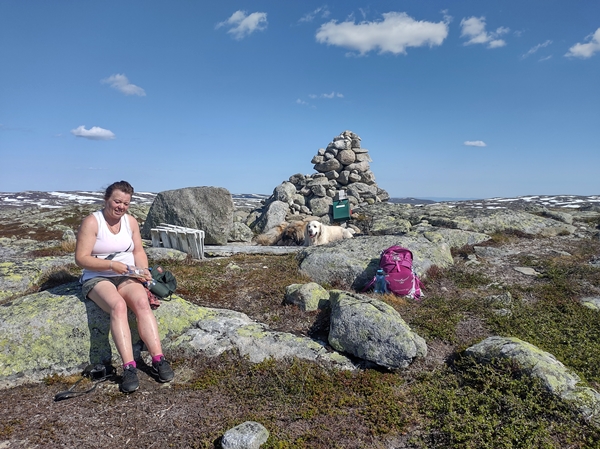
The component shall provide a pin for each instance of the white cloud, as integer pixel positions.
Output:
(473, 29)
(94, 133)
(588, 49)
(242, 25)
(475, 143)
(328, 96)
(120, 82)
(393, 34)
(545, 59)
(447, 17)
(322, 11)
(532, 50)
(299, 101)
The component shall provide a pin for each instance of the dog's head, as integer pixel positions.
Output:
(294, 233)
(313, 228)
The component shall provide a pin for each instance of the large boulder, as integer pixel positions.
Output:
(372, 330)
(555, 377)
(207, 208)
(354, 261)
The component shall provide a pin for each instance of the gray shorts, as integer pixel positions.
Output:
(88, 285)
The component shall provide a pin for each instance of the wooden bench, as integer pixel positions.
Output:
(184, 239)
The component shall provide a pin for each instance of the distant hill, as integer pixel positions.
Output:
(252, 200)
(410, 200)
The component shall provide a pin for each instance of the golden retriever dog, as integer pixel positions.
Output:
(318, 233)
(284, 234)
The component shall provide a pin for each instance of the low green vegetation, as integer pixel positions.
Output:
(290, 394)
(468, 405)
(549, 315)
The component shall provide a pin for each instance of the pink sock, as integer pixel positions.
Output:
(157, 358)
(132, 363)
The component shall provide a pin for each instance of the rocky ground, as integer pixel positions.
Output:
(182, 415)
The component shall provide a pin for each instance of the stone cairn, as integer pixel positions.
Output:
(341, 167)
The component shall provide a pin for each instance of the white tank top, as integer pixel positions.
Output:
(119, 246)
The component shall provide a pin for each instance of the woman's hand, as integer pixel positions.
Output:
(147, 274)
(119, 267)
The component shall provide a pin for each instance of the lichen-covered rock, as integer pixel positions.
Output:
(320, 205)
(240, 233)
(555, 377)
(248, 435)
(559, 216)
(309, 297)
(224, 330)
(20, 273)
(57, 331)
(372, 330)
(489, 221)
(162, 254)
(386, 225)
(455, 238)
(483, 221)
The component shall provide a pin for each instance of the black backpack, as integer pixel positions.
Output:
(164, 284)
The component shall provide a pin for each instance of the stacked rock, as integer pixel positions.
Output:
(341, 167)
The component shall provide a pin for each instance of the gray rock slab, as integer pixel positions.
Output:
(528, 271)
(486, 221)
(223, 330)
(354, 261)
(229, 250)
(554, 375)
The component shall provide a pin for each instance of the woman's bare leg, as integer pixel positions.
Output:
(106, 296)
(136, 298)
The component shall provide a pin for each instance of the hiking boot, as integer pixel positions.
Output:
(163, 370)
(130, 381)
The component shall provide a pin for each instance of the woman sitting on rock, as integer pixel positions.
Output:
(109, 245)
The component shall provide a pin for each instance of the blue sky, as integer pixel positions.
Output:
(461, 99)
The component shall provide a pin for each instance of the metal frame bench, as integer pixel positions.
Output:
(188, 240)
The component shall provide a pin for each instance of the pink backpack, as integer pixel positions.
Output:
(396, 262)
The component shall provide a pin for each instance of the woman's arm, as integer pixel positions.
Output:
(139, 255)
(86, 239)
